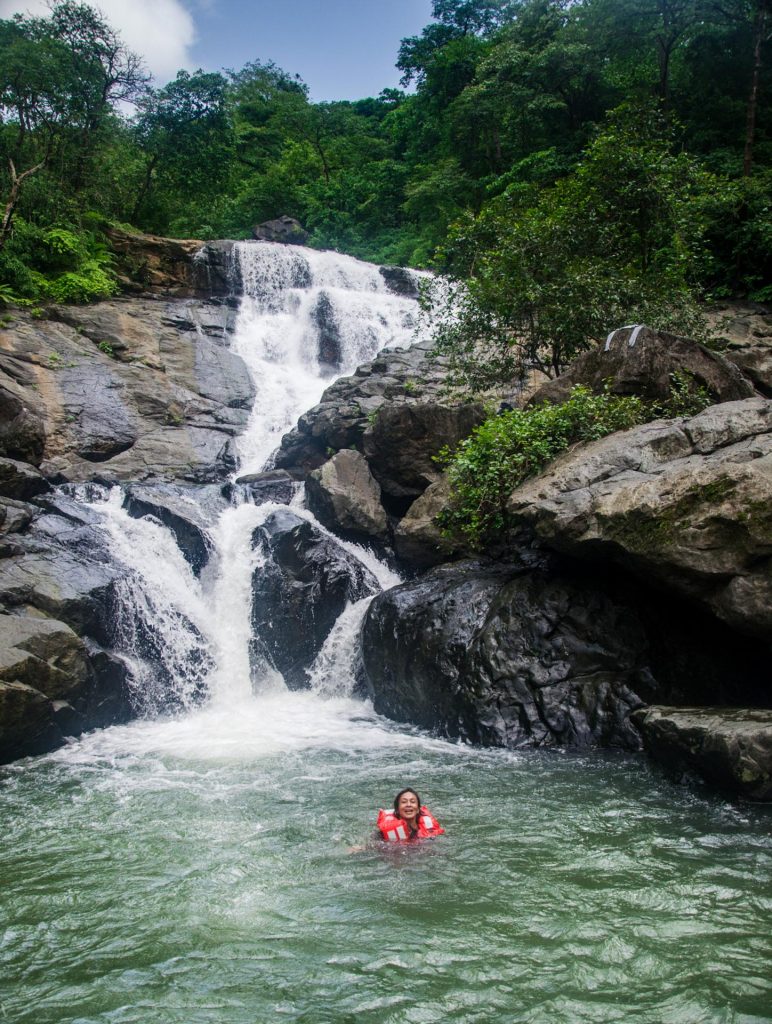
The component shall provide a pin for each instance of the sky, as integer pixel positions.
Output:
(342, 49)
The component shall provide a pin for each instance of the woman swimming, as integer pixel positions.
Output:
(410, 820)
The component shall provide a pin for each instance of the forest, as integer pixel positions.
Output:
(573, 162)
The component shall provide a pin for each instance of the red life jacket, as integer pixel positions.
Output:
(395, 830)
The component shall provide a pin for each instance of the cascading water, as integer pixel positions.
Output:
(193, 868)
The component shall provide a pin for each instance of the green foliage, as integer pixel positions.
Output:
(106, 347)
(513, 446)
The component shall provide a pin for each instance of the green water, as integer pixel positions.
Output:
(198, 871)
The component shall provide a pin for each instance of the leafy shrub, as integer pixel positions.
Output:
(509, 448)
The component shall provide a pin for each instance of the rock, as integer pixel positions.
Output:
(403, 441)
(186, 511)
(418, 541)
(746, 333)
(27, 724)
(20, 480)
(283, 229)
(130, 389)
(646, 369)
(272, 485)
(65, 572)
(298, 594)
(401, 281)
(44, 654)
(22, 433)
(730, 748)
(686, 503)
(506, 656)
(396, 412)
(345, 498)
(15, 516)
(329, 331)
(171, 266)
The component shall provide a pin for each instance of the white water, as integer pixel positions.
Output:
(199, 630)
(277, 334)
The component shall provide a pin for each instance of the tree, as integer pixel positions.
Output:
(186, 134)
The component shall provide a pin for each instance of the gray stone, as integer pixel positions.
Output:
(730, 748)
(27, 724)
(44, 654)
(283, 229)
(345, 497)
(418, 540)
(21, 480)
(646, 369)
(187, 512)
(299, 593)
(686, 503)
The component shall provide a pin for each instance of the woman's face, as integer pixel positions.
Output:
(408, 806)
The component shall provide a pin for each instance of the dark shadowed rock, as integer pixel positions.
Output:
(507, 657)
(730, 748)
(22, 432)
(43, 653)
(297, 596)
(329, 331)
(283, 229)
(27, 724)
(346, 498)
(401, 281)
(21, 480)
(646, 369)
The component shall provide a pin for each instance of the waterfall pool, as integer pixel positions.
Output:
(197, 870)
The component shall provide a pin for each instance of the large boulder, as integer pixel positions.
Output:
(21, 480)
(180, 267)
(686, 503)
(346, 498)
(745, 331)
(730, 748)
(300, 590)
(507, 656)
(642, 362)
(283, 229)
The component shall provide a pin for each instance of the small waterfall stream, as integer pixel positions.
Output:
(192, 866)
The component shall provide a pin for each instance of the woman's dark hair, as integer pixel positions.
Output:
(399, 796)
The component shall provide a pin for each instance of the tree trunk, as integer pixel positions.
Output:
(13, 199)
(753, 97)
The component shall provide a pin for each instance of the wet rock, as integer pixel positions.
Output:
(401, 281)
(730, 748)
(22, 433)
(745, 330)
(329, 331)
(394, 410)
(131, 389)
(283, 229)
(27, 724)
(345, 497)
(44, 654)
(15, 517)
(20, 480)
(187, 512)
(297, 595)
(65, 572)
(646, 369)
(272, 485)
(685, 503)
(403, 441)
(171, 266)
(507, 656)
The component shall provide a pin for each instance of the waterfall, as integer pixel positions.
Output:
(305, 318)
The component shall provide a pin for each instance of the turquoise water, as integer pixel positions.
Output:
(198, 870)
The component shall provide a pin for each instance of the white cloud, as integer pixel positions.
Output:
(162, 31)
